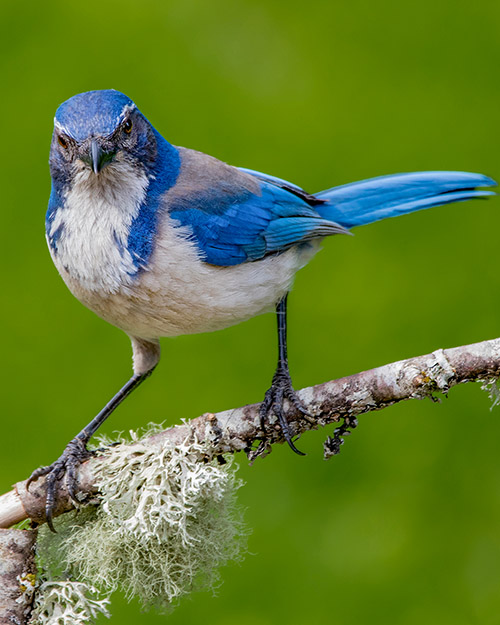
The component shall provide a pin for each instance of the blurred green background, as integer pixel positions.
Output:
(404, 526)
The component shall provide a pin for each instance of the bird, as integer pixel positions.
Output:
(162, 241)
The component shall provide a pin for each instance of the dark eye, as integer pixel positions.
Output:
(62, 141)
(127, 126)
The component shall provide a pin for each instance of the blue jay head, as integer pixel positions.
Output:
(96, 129)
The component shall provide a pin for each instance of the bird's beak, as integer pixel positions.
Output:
(96, 154)
(96, 157)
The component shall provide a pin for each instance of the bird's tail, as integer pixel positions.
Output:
(363, 202)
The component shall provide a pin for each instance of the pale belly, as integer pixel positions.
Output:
(179, 294)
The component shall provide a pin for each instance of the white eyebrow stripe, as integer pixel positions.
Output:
(126, 109)
(62, 128)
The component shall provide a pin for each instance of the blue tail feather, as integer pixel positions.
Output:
(364, 202)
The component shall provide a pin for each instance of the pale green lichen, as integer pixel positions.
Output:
(67, 603)
(27, 586)
(168, 520)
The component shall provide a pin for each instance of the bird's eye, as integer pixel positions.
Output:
(127, 126)
(62, 141)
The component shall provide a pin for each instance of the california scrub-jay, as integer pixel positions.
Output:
(162, 241)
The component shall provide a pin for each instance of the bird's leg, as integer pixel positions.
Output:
(146, 356)
(281, 387)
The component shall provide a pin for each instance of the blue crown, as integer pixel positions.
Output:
(93, 113)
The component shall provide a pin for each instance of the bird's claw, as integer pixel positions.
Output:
(65, 466)
(281, 389)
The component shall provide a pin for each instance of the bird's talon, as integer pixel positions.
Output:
(65, 466)
(300, 406)
(281, 388)
(40, 472)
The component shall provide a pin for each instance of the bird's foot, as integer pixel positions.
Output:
(65, 466)
(281, 389)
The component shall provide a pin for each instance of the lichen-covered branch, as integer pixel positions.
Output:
(17, 575)
(240, 429)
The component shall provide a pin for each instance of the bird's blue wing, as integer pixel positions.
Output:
(239, 215)
(235, 217)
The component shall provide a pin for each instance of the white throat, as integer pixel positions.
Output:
(95, 221)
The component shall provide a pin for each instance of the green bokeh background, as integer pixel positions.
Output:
(404, 526)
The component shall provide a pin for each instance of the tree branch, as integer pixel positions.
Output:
(240, 429)
(17, 575)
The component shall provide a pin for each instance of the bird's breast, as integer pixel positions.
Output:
(92, 227)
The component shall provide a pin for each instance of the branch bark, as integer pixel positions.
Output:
(17, 575)
(240, 429)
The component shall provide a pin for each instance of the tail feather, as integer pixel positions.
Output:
(364, 202)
